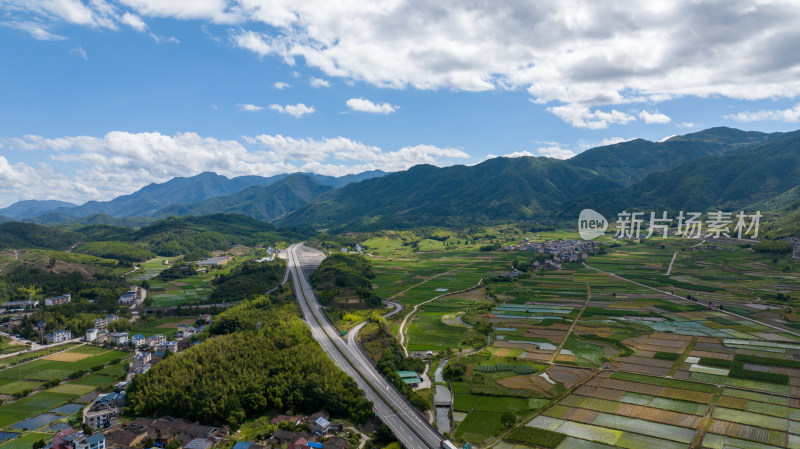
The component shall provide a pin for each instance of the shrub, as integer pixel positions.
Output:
(533, 435)
(666, 355)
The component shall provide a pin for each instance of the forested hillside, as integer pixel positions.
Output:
(342, 277)
(260, 358)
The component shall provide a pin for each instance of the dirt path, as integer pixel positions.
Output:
(16, 255)
(414, 310)
(564, 341)
(669, 270)
(426, 280)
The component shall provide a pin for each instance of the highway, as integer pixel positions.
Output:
(408, 425)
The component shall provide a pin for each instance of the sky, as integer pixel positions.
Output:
(101, 97)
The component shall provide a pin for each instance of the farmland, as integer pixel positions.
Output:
(35, 391)
(619, 353)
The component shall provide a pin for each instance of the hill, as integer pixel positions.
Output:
(740, 180)
(631, 161)
(501, 188)
(260, 202)
(30, 208)
(18, 235)
(150, 199)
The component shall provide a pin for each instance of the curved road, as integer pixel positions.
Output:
(392, 408)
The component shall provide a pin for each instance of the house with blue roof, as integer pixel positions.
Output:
(138, 340)
(320, 426)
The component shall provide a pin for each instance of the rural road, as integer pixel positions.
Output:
(408, 425)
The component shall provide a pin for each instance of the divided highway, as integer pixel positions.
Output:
(392, 408)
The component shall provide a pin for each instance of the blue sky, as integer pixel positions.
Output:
(100, 97)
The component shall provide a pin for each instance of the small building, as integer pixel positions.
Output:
(168, 346)
(185, 331)
(410, 377)
(320, 426)
(21, 305)
(104, 411)
(58, 300)
(120, 338)
(59, 336)
(135, 296)
(140, 360)
(100, 323)
(138, 341)
(155, 340)
(95, 441)
(91, 334)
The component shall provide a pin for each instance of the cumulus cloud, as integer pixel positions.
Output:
(654, 117)
(280, 85)
(556, 152)
(364, 105)
(296, 110)
(583, 117)
(121, 162)
(249, 107)
(780, 115)
(319, 82)
(586, 54)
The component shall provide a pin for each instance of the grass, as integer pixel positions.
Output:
(497, 404)
(25, 441)
(673, 383)
(535, 436)
(19, 386)
(478, 426)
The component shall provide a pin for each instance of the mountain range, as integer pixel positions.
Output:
(715, 169)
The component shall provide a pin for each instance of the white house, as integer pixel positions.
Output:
(59, 336)
(120, 338)
(91, 334)
(58, 300)
(136, 295)
(169, 346)
(138, 340)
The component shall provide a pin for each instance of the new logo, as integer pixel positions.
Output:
(591, 224)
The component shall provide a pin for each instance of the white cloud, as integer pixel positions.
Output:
(36, 30)
(165, 39)
(667, 138)
(654, 118)
(556, 152)
(780, 115)
(280, 85)
(121, 162)
(687, 125)
(364, 105)
(577, 52)
(583, 117)
(296, 110)
(133, 21)
(249, 107)
(79, 52)
(319, 82)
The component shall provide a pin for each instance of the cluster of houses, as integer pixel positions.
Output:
(133, 297)
(357, 250)
(561, 251)
(103, 415)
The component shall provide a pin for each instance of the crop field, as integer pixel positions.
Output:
(31, 412)
(167, 326)
(652, 369)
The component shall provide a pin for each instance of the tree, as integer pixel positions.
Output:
(86, 429)
(508, 419)
(174, 444)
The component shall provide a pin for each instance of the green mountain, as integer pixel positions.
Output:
(761, 176)
(501, 188)
(717, 168)
(631, 161)
(18, 235)
(150, 199)
(260, 202)
(72, 221)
